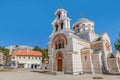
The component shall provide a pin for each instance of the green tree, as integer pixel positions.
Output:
(44, 52)
(117, 43)
(4, 50)
(5, 53)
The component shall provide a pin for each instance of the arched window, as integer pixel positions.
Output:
(62, 25)
(59, 15)
(56, 27)
(59, 44)
(59, 39)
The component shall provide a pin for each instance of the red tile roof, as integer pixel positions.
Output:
(26, 53)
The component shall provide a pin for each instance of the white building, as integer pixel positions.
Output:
(25, 59)
(79, 50)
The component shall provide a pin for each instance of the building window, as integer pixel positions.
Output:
(59, 15)
(13, 57)
(19, 57)
(56, 28)
(24, 57)
(59, 44)
(39, 57)
(62, 25)
(28, 57)
(35, 57)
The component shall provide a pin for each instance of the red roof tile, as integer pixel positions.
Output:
(26, 53)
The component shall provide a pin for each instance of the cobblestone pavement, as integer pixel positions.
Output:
(28, 75)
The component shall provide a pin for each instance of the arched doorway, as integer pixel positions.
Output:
(59, 57)
(59, 64)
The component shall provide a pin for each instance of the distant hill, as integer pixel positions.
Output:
(13, 48)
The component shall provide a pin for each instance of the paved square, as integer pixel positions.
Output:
(28, 75)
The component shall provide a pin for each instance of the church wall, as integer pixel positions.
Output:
(97, 62)
(92, 36)
(113, 65)
(49, 49)
(69, 45)
(50, 63)
(68, 63)
(50, 66)
(77, 63)
(87, 63)
(76, 46)
(68, 56)
(106, 49)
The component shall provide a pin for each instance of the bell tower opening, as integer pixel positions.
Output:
(58, 15)
(61, 25)
(56, 27)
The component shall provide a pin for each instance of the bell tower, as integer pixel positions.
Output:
(61, 21)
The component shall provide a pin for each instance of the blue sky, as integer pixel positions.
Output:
(28, 22)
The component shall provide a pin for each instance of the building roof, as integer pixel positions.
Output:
(84, 20)
(26, 53)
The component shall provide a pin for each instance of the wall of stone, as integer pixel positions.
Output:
(86, 63)
(77, 62)
(97, 64)
(68, 63)
(113, 65)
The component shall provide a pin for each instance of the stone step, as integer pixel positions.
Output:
(59, 73)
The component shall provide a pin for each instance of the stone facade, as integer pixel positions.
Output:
(114, 62)
(79, 50)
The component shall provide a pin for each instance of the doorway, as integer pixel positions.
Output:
(59, 58)
(59, 61)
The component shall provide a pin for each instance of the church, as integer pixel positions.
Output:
(79, 50)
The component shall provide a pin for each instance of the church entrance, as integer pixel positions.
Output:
(59, 61)
(59, 57)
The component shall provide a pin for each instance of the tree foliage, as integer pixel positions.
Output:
(5, 53)
(117, 43)
(4, 50)
(43, 50)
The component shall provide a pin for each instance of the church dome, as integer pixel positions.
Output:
(83, 24)
(83, 20)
